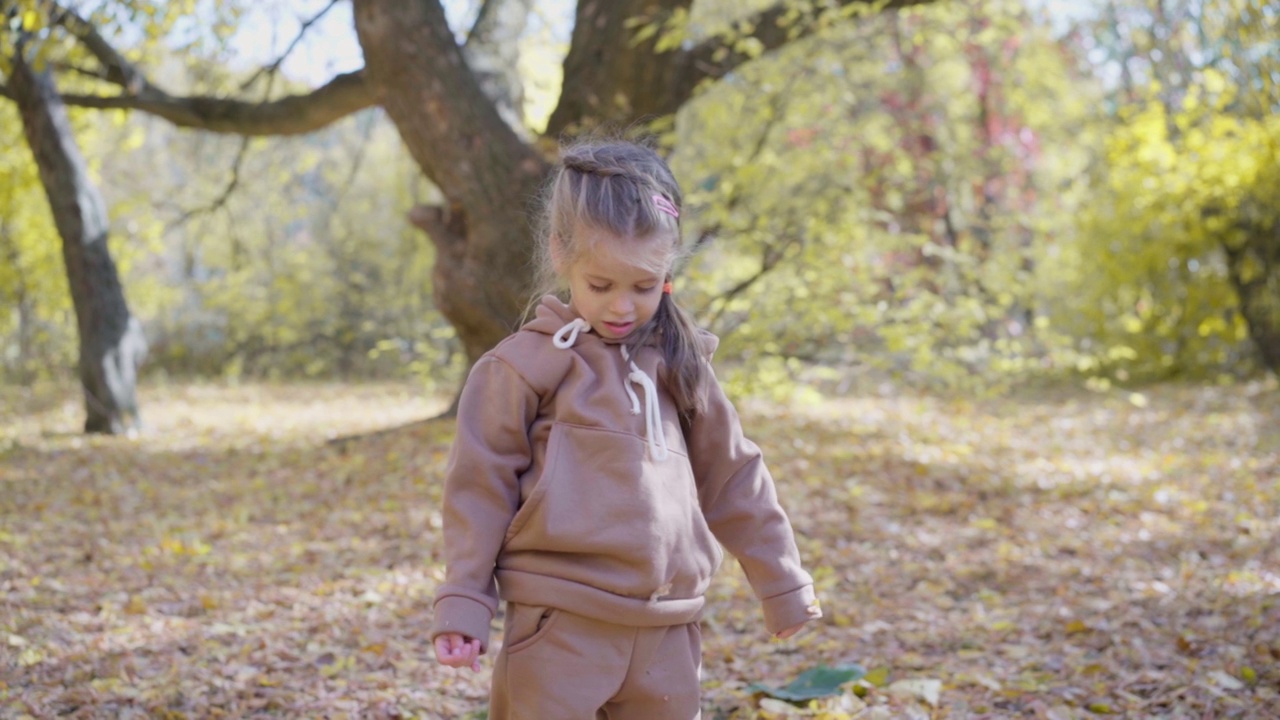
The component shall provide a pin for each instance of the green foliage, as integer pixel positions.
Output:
(36, 322)
(876, 196)
(935, 194)
(1154, 295)
(289, 259)
(1145, 288)
(306, 268)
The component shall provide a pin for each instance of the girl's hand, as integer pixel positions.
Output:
(783, 635)
(458, 650)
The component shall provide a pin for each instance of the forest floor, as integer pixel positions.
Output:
(1056, 555)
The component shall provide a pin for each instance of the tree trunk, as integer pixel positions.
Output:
(612, 79)
(23, 369)
(492, 52)
(1253, 263)
(489, 176)
(112, 345)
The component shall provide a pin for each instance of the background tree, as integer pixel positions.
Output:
(487, 172)
(112, 345)
(1176, 268)
(951, 193)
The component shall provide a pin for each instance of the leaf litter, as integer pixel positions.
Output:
(1065, 555)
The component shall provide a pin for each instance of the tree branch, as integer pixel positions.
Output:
(618, 80)
(275, 66)
(221, 200)
(713, 59)
(492, 51)
(292, 115)
(117, 69)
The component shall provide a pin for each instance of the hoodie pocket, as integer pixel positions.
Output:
(605, 514)
(530, 505)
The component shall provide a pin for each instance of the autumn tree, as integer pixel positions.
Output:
(1181, 258)
(112, 345)
(627, 60)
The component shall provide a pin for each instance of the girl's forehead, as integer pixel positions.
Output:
(606, 254)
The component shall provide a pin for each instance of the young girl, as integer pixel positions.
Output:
(598, 468)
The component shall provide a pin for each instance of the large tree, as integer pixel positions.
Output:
(446, 102)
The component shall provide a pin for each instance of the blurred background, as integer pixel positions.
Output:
(960, 195)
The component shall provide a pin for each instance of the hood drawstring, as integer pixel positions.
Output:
(574, 328)
(652, 412)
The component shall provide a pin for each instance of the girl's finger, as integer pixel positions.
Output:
(445, 647)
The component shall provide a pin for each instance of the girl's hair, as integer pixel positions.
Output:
(610, 186)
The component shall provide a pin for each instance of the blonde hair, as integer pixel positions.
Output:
(610, 186)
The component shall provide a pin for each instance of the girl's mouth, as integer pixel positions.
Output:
(619, 328)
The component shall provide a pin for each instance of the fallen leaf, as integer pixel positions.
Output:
(925, 689)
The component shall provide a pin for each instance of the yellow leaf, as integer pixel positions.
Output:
(878, 677)
(986, 524)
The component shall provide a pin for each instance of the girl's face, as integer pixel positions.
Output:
(616, 286)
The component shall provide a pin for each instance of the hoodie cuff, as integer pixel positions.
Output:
(790, 609)
(458, 614)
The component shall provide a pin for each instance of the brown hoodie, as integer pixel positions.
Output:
(553, 491)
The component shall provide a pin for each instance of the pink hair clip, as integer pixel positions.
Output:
(666, 206)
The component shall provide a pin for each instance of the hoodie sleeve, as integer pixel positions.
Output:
(741, 506)
(481, 494)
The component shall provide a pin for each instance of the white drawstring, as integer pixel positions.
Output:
(574, 327)
(652, 412)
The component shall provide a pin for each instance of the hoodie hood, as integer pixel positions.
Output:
(553, 314)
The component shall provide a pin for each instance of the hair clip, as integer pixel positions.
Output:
(666, 206)
(666, 288)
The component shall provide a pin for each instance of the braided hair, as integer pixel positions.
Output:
(611, 186)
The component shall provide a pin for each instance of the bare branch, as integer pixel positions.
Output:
(713, 59)
(117, 69)
(292, 115)
(218, 202)
(275, 66)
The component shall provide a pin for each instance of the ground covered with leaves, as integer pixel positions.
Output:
(1057, 555)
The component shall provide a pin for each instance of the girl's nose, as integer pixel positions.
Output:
(622, 304)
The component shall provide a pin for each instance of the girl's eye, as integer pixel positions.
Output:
(597, 288)
(647, 289)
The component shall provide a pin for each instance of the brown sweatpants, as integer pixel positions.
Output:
(555, 665)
